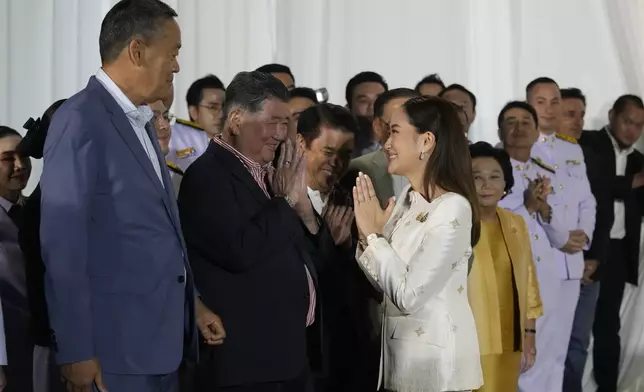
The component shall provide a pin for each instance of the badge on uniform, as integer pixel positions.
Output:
(573, 162)
(186, 152)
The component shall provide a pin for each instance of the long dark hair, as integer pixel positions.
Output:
(449, 167)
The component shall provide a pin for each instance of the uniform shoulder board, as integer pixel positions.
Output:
(542, 165)
(567, 138)
(174, 168)
(190, 124)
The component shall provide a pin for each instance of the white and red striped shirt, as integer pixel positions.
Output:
(259, 173)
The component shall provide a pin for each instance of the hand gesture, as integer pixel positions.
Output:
(210, 325)
(370, 217)
(529, 352)
(289, 178)
(82, 376)
(576, 241)
(543, 188)
(531, 196)
(590, 266)
(339, 219)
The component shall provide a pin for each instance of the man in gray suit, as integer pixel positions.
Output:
(119, 288)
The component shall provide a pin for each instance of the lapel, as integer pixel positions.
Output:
(127, 133)
(237, 169)
(509, 230)
(383, 178)
(608, 145)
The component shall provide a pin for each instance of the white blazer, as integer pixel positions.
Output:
(429, 338)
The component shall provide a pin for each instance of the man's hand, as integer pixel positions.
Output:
(638, 180)
(3, 379)
(289, 176)
(531, 197)
(210, 325)
(82, 376)
(590, 266)
(339, 219)
(576, 242)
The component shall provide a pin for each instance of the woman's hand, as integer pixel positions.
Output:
(370, 217)
(529, 351)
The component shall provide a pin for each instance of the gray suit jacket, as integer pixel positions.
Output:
(374, 165)
(118, 283)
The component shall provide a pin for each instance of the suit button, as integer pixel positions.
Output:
(181, 278)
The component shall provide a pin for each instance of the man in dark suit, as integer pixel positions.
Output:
(119, 288)
(245, 224)
(326, 133)
(626, 165)
(598, 169)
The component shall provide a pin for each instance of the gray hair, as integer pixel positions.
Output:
(249, 90)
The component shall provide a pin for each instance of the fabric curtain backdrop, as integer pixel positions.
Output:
(48, 48)
(627, 24)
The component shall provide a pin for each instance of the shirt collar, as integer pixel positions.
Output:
(141, 115)
(5, 204)
(247, 161)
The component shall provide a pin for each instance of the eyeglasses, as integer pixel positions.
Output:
(212, 108)
(167, 116)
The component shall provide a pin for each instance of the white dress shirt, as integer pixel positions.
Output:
(318, 200)
(618, 231)
(138, 118)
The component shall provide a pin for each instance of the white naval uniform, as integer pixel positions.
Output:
(187, 142)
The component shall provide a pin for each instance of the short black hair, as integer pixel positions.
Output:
(334, 116)
(517, 105)
(129, 19)
(6, 131)
(573, 93)
(304, 92)
(539, 80)
(276, 68)
(249, 91)
(195, 91)
(628, 99)
(485, 150)
(381, 101)
(459, 87)
(430, 79)
(363, 77)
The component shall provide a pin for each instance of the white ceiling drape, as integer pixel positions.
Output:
(48, 48)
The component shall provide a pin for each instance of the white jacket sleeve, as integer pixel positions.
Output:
(410, 283)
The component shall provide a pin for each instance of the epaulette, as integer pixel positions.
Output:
(542, 165)
(567, 138)
(190, 124)
(174, 168)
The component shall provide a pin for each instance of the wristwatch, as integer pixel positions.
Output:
(290, 201)
(372, 237)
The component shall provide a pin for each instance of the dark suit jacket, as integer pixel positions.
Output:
(29, 237)
(248, 256)
(599, 176)
(619, 188)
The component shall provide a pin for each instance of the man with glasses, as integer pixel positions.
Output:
(163, 121)
(189, 140)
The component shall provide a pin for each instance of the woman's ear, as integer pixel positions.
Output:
(429, 142)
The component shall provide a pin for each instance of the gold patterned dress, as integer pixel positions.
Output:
(503, 292)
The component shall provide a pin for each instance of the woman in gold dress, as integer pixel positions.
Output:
(502, 286)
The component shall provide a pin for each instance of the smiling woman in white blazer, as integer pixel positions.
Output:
(417, 252)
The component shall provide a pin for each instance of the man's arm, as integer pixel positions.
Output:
(215, 228)
(67, 184)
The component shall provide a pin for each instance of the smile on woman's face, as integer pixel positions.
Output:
(405, 145)
(489, 181)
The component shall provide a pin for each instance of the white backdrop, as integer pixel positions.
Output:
(48, 48)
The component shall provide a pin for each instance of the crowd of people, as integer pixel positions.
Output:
(274, 242)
